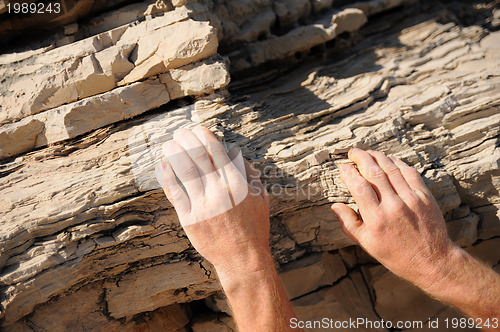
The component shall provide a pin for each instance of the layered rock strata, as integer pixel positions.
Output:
(88, 239)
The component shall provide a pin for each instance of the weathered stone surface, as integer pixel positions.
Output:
(221, 323)
(159, 286)
(188, 41)
(81, 311)
(80, 117)
(397, 299)
(20, 137)
(310, 273)
(86, 210)
(203, 77)
(95, 65)
(349, 299)
(298, 40)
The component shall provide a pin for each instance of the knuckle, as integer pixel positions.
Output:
(413, 201)
(392, 170)
(395, 207)
(199, 156)
(190, 172)
(376, 173)
(217, 148)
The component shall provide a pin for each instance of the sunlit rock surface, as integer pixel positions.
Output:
(89, 242)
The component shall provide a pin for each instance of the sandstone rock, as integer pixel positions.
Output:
(159, 286)
(85, 212)
(196, 79)
(487, 251)
(19, 137)
(310, 273)
(218, 302)
(188, 41)
(71, 29)
(349, 20)
(302, 38)
(81, 310)
(397, 299)
(94, 65)
(220, 323)
(349, 299)
(74, 119)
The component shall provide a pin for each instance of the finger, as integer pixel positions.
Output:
(215, 148)
(196, 150)
(411, 176)
(349, 221)
(253, 178)
(372, 172)
(174, 192)
(360, 188)
(184, 168)
(392, 172)
(235, 176)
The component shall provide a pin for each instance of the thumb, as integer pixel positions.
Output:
(349, 221)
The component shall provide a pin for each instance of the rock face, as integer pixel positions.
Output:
(88, 239)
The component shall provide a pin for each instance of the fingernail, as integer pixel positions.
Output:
(351, 151)
(345, 168)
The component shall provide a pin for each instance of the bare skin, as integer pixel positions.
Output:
(401, 226)
(235, 241)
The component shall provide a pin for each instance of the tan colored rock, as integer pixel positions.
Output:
(320, 228)
(187, 42)
(349, 20)
(487, 251)
(74, 119)
(159, 7)
(81, 310)
(74, 213)
(310, 273)
(221, 323)
(70, 29)
(19, 137)
(94, 65)
(397, 299)
(218, 302)
(302, 38)
(203, 77)
(159, 286)
(347, 300)
(463, 231)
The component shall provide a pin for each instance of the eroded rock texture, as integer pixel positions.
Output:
(89, 242)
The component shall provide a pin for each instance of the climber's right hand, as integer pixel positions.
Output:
(400, 225)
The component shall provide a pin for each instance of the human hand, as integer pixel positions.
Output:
(224, 208)
(400, 225)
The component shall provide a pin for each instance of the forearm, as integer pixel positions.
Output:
(256, 295)
(468, 285)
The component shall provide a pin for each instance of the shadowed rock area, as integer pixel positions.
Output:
(88, 240)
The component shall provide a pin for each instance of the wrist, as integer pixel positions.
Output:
(445, 271)
(253, 263)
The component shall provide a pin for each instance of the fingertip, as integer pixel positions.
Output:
(167, 148)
